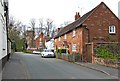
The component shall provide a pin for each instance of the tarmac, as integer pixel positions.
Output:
(15, 69)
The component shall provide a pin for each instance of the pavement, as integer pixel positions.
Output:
(20, 71)
(107, 70)
(14, 69)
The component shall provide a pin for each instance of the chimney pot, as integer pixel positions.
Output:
(77, 15)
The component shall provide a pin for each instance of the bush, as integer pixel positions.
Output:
(60, 51)
(104, 52)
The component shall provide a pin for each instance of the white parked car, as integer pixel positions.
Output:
(47, 53)
(36, 52)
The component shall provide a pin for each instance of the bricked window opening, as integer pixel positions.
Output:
(112, 29)
(74, 47)
(74, 33)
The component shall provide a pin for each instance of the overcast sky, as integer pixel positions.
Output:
(57, 10)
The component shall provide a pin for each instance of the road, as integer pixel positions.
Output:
(52, 68)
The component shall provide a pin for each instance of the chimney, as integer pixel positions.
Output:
(77, 16)
(58, 29)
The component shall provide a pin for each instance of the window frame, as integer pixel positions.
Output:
(112, 29)
(74, 47)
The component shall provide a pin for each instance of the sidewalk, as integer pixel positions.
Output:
(14, 69)
(107, 70)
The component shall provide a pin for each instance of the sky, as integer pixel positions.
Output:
(57, 10)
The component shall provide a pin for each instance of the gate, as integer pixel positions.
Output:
(89, 55)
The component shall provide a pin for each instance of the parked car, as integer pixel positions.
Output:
(47, 53)
(36, 52)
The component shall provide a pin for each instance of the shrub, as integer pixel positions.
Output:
(104, 52)
(60, 51)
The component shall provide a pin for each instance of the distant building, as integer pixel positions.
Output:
(40, 41)
(50, 44)
(29, 39)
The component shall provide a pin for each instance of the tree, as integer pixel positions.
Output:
(41, 25)
(14, 31)
(65, 23)
(32, 24)
(49, 27)
(14, 28)
(46, 27)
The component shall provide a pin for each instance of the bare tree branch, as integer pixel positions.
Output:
(49, 25)
(32, 23)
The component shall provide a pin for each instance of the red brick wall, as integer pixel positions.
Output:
(37, 41)
(71, 40)
(99, 23)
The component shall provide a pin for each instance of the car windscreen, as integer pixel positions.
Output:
(48, 50)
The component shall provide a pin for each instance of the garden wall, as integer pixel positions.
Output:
(69, 57)
(107, 62)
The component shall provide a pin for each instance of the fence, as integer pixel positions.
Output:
(69, 57)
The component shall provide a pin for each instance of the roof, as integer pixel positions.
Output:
(78, 22)
(48, 38)
(36, 36)
(73, 25)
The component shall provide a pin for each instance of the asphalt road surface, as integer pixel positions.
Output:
(52, 68)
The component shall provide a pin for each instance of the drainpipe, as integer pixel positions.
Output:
(88, 34)
(85, 26)
(88, 41)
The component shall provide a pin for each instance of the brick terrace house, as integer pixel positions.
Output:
(98, 25)
(40, 41)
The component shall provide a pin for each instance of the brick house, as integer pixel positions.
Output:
(98, 25)
(40, 41)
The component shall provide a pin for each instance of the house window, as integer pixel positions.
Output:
(59, 38)
(112, 29)
(74, 47)
(65, 37)
(74, 33)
